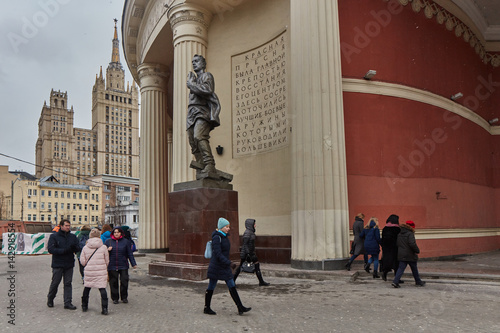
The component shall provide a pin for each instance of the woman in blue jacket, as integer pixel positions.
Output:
(371, 234)
(220, 267)
(120, 253)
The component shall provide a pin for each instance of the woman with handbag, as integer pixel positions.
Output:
(248, 256)
(95, 258)
(220, 267)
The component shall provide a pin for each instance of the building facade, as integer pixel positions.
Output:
(47, 200)
(110, 147)
(329, 108)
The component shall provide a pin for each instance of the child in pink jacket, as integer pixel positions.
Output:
(95, 259)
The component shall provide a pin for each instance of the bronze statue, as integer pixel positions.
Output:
(202, 116)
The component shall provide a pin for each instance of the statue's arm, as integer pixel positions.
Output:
(206, 86)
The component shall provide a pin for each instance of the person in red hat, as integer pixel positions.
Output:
(407, 254)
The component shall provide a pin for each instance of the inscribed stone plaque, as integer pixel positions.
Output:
(259, 98)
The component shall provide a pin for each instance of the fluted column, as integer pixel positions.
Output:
(155, 122)
(190, 29)
(320, 228)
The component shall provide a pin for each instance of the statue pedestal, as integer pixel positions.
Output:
(192, 217)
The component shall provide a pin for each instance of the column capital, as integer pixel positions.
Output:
(189, 22)
(153, 76)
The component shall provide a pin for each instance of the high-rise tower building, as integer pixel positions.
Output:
(115, 120)
(111, 147)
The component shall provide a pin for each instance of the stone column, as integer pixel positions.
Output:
(155, 122)
(190, 29)
(320, 228)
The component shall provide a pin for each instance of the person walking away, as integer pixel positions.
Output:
(248, 252)
(95, 258)
(389, 246)
(407, 254)
(62, 245)
(358, 246)
(220, 268)
(371, 234)
(120, 253)
(83, 236)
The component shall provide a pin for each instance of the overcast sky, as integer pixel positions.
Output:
(44, 45)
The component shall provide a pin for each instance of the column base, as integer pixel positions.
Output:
(323, 265)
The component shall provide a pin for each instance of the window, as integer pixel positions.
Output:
(42, 217)
(107, 196)
(68, 195)
(85, 218)
(49, 193)
(42, 205)
(86, 194)
(79, 195)
(29, 205)
(80, 218)
(74, 218)
(29, 191)
(68, 206)
(34, 204)
(74, 195)
(34, 217)
(34, 193)
(49, 205)
(29, 217)
(56, 194)
(86, 207)
(42, 193)
(62, 194)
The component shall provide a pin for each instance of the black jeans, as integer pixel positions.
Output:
(104, 294)
(122, 276)
(67, 275)
(401, 269)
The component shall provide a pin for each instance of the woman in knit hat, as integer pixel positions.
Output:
(220, 267)
(407, 254)
(95, 259)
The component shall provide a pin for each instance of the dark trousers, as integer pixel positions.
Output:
(115, 276)
(104, 294)
(401, 270)
(67, 275)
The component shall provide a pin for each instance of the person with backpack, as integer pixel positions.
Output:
(220, 268)
(83, 236)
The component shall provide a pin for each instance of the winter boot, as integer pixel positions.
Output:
(367, 267)
(237, 301)
(259, 276)
(85, 303)
(208, 300)
(375, 275)
(104, 305)
(348, 265)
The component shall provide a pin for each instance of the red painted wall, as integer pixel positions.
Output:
(401, 152)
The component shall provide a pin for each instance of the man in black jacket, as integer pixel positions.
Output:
(62, 245)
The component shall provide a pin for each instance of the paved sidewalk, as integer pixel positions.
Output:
(296, 301)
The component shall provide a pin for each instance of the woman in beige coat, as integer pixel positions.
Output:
(95, 258)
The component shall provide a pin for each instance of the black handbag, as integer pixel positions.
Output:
(248, 267)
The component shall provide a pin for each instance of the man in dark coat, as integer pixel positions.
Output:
(389, 246)
(358, 246)
(407, 254)
(62, 245)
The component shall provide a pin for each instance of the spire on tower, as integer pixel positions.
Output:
(115, 55)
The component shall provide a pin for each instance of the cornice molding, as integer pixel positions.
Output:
(452, 23)
(451, 233)
(414, 94)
